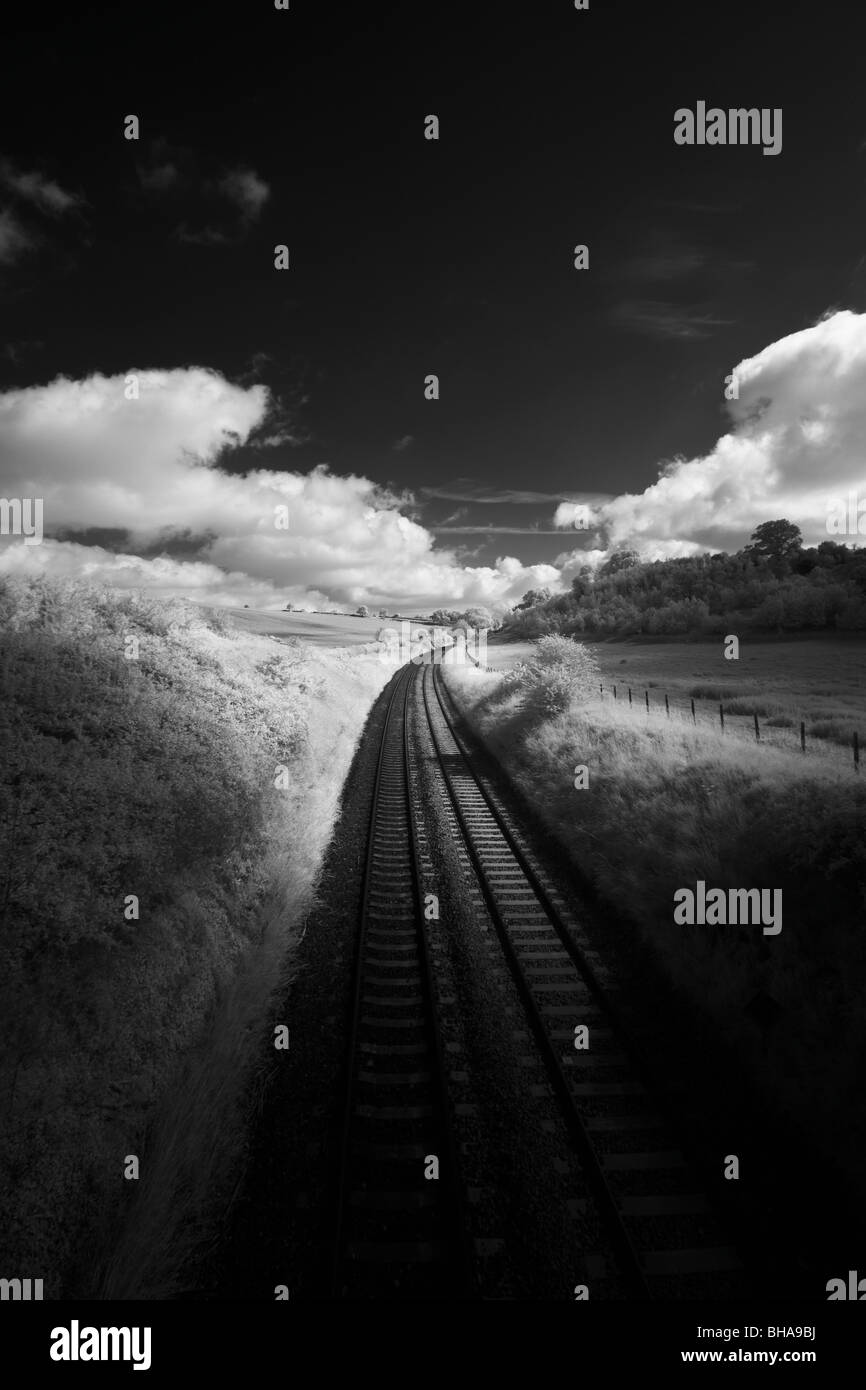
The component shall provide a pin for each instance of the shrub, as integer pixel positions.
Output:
(560, 671)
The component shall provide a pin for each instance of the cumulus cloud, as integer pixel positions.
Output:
(796, 444)
(151, 467)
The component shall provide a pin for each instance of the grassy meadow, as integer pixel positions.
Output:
(820, 680)
(330, 630)
(152, 777)
(668, 804)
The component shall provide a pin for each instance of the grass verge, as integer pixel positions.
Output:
(668, 805)
(141, 742)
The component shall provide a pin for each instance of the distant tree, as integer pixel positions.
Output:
(532, 597)
(478, 617)
(619, 560)
(777, 541)
(383, 613)
(362, 612)
(832, 553)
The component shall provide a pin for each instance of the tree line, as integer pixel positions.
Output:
(773, 584)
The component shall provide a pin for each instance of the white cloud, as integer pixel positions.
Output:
(797, 440)
(149, 466)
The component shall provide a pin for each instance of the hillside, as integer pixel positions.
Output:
(154, 878)
(770, 586)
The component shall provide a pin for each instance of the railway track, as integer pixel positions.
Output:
(663, 1233)
(399, 1230)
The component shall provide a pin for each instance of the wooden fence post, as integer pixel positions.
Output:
(646, 693)
(614, 692)
(757, 730)
(667, 708)
(629, 694)
(694, 716)
(722, 716)
(803, 735)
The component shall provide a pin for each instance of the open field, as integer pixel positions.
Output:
(319, 629)
(820, 680)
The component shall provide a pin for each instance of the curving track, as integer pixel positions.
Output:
(400, 1234)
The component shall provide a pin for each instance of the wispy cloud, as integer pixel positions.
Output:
(247, 194)
(672, 264)
(484, 528)
(466, 490)
(14, 352)
(166, 167)
(403, 443)
(247, 191)
(15, 240)
(158, 178)
(657, 318)
(35, 188)
(202, 236)
(692, 205)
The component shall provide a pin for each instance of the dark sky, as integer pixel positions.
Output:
(411, 256)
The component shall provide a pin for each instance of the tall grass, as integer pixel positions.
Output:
(668, 805)
(155, 778)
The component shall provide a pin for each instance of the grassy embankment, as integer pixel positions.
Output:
(668, 804)
(152, 777)
(818, 679)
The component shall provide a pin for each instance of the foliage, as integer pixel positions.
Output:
(559, 672)
(155, 778)
(772, 585)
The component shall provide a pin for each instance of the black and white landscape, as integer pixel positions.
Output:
(432, 649)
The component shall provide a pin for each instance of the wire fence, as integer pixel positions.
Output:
(772, 733)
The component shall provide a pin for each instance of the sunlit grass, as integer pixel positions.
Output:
(152, 777)
(670, 803)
